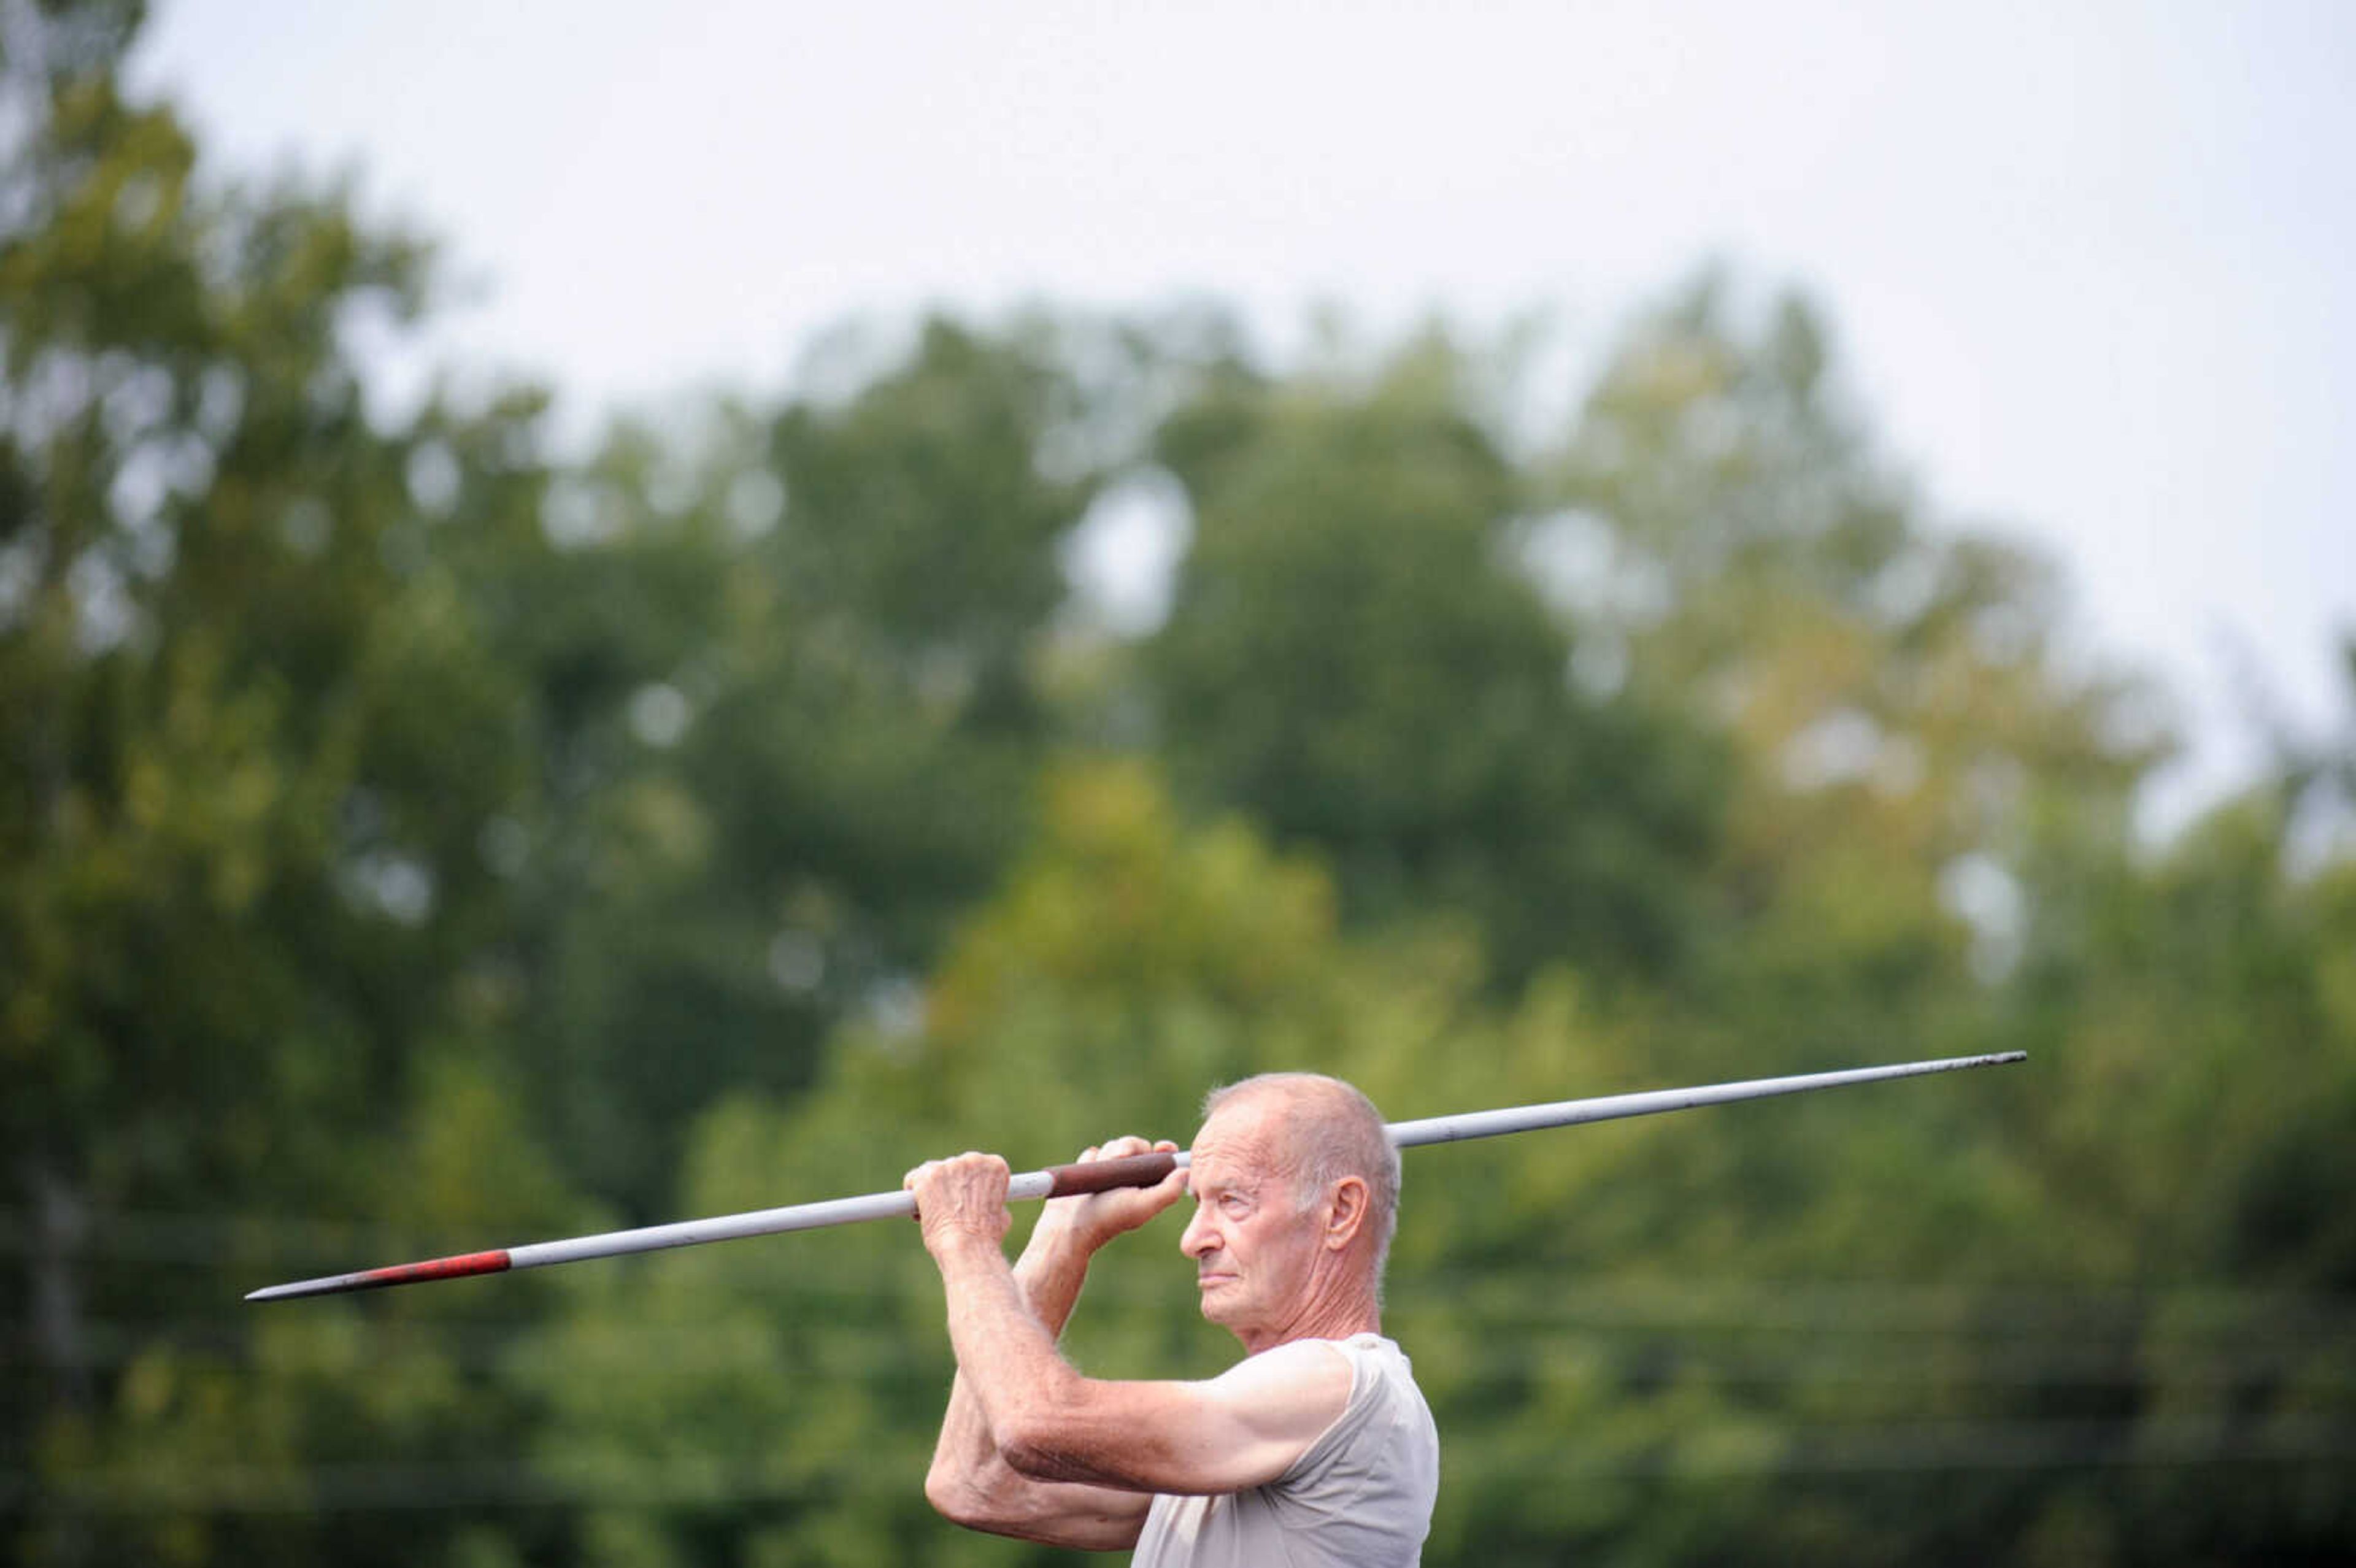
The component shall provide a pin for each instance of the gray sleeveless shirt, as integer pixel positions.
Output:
(1359, 1496)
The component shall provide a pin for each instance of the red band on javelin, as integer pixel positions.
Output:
(455, 1268)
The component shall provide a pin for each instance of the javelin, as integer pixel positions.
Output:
(1062, 1180)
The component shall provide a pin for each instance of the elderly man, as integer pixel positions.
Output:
(1316, 1448)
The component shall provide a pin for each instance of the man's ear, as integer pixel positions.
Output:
(1345, 1212)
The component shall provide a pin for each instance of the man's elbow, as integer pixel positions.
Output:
(956, 1498)
(943, 1492)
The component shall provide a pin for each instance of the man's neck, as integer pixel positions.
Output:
(1335, 1318)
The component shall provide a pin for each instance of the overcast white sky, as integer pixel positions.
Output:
(2087, 261)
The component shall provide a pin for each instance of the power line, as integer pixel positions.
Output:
(673, 1351)
(608, 1480)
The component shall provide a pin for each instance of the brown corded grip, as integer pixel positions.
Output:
(1099, 1175)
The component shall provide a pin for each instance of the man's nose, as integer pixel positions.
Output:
(1199, 1237)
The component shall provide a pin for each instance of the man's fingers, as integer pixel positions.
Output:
(968, 1165)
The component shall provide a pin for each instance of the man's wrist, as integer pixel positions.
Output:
(966, 1247)
(1057, 1239)
(1049, 1256)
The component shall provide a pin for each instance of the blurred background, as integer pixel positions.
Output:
(605, 618)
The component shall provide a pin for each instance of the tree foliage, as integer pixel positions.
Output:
(414, 839)
(1352, 658)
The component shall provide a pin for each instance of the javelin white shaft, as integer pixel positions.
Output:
(759, 1222)
(1036, 1184)
(1612, 1107)
(645, 1239)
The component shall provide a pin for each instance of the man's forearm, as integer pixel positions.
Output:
(1048, 1278)
(1005, 1348)
(1050, 1273)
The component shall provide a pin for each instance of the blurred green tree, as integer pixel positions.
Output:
(782, 677)
(1899, 703)
(254, 746)
(397, 821)
(1353, 658)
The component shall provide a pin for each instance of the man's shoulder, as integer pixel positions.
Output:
(1298, 1367)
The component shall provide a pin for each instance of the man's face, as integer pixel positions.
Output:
(1254, 1250)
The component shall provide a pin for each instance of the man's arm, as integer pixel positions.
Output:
(1239, 1430)
(971, 1481)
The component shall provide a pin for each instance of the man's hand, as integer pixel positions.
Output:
(960, 1202)
(1089, 1220)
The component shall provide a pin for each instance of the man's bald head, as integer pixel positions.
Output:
(1328, 1130)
